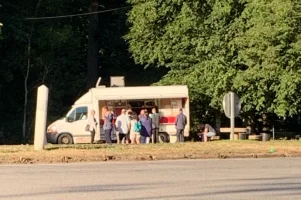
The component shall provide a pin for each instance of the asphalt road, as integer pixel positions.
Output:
(184, 179)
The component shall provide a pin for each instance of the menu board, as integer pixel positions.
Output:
(169, 109)
(176, 104)
(120, 103)
(165, 109)
(109, 103)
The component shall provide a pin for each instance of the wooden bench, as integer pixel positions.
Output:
(236, 131)
(216, 137)
(255, 137)
(213, 138)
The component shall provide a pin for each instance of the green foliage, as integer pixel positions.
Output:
(251, 47)
(115, 59)
(58, 57)
(57, 60)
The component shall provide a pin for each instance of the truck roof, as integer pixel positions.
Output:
(136, 92)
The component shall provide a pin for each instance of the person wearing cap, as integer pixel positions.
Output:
(180, 124)
(122, 125)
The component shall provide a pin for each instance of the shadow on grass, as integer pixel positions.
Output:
(114, 146)
(79, 146)
(166, 145)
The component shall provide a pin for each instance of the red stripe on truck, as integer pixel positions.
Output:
(168, 120)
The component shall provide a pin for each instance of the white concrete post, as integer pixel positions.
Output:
(41, 118)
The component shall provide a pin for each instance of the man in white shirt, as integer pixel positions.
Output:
(122, 125)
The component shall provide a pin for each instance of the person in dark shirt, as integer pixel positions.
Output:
(155, 116)
(180, 124)
(142, 114)
(107, 126)
(146, 127)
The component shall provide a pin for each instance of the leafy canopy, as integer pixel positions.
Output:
(251, 47)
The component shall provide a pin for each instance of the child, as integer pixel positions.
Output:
(135, 128)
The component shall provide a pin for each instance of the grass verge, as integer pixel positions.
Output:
(101, 152)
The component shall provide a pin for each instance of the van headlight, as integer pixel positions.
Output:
(52, 129)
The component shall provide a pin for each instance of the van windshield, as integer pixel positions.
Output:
(79, 113)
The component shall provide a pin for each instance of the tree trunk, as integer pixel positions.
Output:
(93, 46)
(26, 90)
(29, 39)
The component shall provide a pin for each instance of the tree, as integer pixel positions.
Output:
(247, 46)
(56, 56)
(93, 45)
(114, 57)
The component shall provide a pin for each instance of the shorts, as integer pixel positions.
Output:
(123, 136)
(134, 135)
(210, 134)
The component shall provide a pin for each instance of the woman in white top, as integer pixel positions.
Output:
(93, 124)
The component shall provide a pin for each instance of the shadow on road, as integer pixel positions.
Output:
(88, 189)
(149, 187)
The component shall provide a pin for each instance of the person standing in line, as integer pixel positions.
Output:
(107, 126)
(155, 124)
(122, 125)
(146, 128)
(135, 128)
(93, 125)
(113, 130)
(180, 124)
(128, 109)
(142, 114)
(129, 112)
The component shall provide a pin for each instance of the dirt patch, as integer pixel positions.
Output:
(24, 154)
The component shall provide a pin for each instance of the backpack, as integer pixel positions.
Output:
(137, 126)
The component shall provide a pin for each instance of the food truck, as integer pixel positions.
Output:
(167, 99)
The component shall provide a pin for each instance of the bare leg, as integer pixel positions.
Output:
(153, 135)
(133, 140)
(138, 139)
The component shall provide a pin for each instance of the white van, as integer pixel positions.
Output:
(168, 100)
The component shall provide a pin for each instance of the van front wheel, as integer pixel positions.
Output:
(65, 139)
